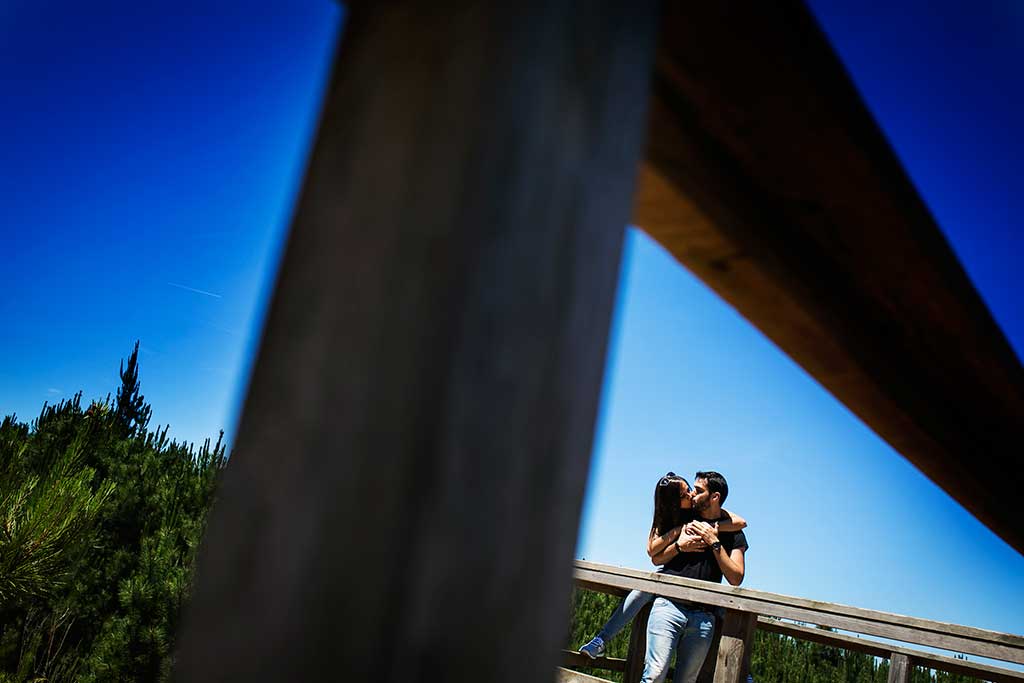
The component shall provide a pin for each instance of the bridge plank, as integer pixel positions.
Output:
(571, 658)
(958, 638)
(563, 675)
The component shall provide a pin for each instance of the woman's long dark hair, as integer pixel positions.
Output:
(667, 497)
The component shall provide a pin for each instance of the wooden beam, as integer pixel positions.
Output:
(900, 668)
(570, 658)
(878, 649)
(637, 654)
(707, 670)
(405, 492)
(955, 637)
(767, 177)
(563, 675)
(733, 661)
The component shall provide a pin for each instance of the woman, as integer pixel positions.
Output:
(673, 511)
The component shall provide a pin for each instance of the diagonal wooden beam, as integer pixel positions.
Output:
(954, 637)
(768, 178)
(405, 493)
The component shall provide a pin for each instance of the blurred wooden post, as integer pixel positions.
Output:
(733, 660)
(899, 668)
(637, 647)
(404, 496)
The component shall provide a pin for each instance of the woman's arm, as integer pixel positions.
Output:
(656, 543)
(685, 544)
(734, 523)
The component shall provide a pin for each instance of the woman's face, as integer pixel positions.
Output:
(685, 501)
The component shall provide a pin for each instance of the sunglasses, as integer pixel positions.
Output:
(668, 480)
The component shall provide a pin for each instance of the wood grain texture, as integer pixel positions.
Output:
(570, 658)
(767, 177)
(563, 675)
(900, 668)
(877, 649)
(637, 652)
(707, 670)
(414, 446)
(958, 638)
(734, 647)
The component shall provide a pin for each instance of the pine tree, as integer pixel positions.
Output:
(132, 411)
(108, 611)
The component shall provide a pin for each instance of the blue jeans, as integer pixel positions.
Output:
(671, 625)
(623, 614)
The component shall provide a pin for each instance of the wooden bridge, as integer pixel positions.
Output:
(747, 610)
(428, 378)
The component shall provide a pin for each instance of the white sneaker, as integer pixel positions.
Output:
(594, 649)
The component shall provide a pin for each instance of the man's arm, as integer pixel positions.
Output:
(657, 544)
(685, 544)
(731, 563)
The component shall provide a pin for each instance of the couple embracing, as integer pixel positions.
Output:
(694, 537)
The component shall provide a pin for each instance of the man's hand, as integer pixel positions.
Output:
(691, 544)
(705, 531)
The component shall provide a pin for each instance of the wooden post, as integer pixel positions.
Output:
(733, 660)
(899, 668)
(707, 670)
(637, 653)
(404, 496)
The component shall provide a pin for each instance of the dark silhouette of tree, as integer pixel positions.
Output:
(131, 409)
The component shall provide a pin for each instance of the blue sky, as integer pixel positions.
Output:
(150, 155)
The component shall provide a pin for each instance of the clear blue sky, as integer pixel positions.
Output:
(150, 156)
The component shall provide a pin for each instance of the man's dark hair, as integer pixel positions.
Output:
(716, 484)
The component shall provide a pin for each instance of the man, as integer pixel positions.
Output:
(689, 625)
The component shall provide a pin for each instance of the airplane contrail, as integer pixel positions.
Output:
(193, 289)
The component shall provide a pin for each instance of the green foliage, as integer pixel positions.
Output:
(101, 521)
(781, 658)
(590, 610)
(46, 521)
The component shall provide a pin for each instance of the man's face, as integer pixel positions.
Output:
(701, 497)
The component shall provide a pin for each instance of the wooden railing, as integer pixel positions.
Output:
(747, 610)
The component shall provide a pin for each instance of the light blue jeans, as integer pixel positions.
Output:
(623, 614)
(671, 625)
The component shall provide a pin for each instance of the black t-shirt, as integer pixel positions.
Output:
(703, 565)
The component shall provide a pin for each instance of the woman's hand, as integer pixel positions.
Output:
(691, 544)
(705, 531)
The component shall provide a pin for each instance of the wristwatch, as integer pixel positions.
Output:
(715, 546)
